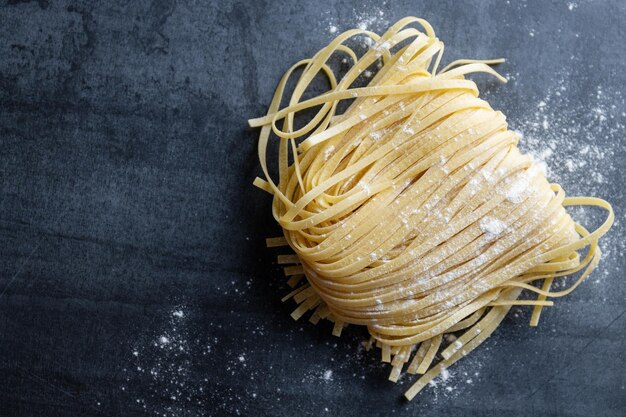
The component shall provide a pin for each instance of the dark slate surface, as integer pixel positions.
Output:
(133, 275)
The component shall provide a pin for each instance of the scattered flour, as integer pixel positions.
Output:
(161, 365)
(565, 136)
(371, 19)
(368, 18)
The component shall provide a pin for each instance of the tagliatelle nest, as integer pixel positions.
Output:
(414, 213)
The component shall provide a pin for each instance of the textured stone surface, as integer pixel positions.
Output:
(133, 274)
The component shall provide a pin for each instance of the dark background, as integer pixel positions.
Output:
(133, 274)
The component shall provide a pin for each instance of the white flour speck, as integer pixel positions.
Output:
(492, 226)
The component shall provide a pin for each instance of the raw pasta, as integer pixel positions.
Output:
(413, 212)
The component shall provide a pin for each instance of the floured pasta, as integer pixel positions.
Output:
(413, 212)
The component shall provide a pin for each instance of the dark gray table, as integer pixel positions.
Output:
(134, 278)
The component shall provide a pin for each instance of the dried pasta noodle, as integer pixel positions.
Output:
(413, 212)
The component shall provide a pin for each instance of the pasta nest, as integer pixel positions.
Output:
(413, 212)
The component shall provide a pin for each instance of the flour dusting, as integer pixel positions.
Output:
(163, 362)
